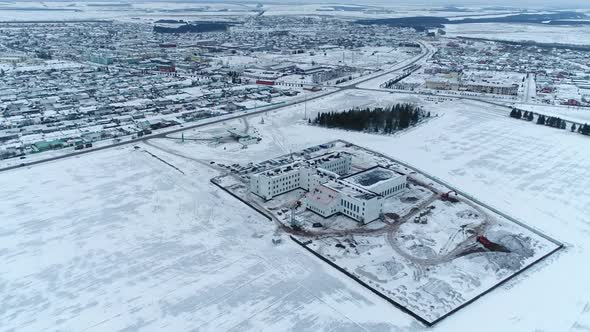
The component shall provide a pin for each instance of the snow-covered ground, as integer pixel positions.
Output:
(151, 11)
(571, 113)
(118, 239)
(46, 66)
(65, 10)
(128, 242)
(430, 267)
(577, 35)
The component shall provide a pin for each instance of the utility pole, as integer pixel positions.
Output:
(305, 106)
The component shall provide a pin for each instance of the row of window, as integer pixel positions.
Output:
(335, 167)
(350, 206)
(351, 214)
(393, 190)
(283, 184)
(284, 188)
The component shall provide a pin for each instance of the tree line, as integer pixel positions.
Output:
(551, 121)
(384, 120)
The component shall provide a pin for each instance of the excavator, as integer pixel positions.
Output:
(491, 246)
(446, 197)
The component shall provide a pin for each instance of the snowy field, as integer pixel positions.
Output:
(118, 240)
(65, 10)
(431, 266)
(571, 113)
(129, 243)
(577, 35)
(531, 172)
(416, 264)
(150, 11)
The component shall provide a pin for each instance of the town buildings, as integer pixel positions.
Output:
(473, 86)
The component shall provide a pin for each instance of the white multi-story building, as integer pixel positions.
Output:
(379, 180)
(358, 196)
(302, 174)
(338, 196)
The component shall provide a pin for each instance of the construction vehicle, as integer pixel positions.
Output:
(420, 220)
(446, 197)
(491, 246)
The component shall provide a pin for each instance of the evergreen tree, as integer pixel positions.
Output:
(415, 117)
(383, 120)
(530, 117)
(573, 128)
(513, 113)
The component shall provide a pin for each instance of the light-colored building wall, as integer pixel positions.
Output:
(391, 187)
(328, 195)
(304, 175)
(340, 165)
(362, 210)
(472, 87)
(270, 186)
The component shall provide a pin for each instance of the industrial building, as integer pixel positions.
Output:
(358, 196)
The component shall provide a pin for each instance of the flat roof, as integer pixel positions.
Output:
(350, 189)
(295, 165)
(372, 177)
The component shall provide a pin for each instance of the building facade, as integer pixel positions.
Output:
(478, 87)
(304, 175)
(359, 196)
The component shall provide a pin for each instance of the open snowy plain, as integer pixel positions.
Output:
(118, 240)
(575, 35)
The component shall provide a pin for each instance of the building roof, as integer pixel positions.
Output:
(372, 177)
(324, 194)
(350, 189)
(314, 162)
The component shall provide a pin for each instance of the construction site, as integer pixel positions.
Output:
(431, 251)
(226, 136)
